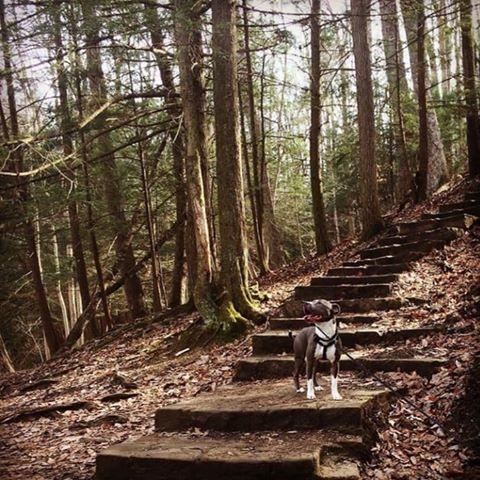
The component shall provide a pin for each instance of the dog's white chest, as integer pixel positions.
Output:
(329, 354)
(326, 332)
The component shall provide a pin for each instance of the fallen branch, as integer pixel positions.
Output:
(47, 410)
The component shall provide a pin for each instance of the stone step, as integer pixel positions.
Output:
(475, 211)
(280, 366)
(278, 341)
(421, 246)
(298, 323)
(271, 406)
(235, 456)
(459, 221)
(472, 196)
(336, 292)
(387, 259)
(446, 234)
(354, 280)
(459, 205)
(364, 270)
(363, 305)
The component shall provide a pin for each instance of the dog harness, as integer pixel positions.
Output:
(325, 343)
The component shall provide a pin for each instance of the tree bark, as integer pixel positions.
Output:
(471, 100)
(322, 240)
(370, 208)
(189, 43)
(113, 191)
(233, 242)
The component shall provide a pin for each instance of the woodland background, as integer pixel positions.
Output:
(160, 154)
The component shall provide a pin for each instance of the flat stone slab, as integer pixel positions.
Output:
(459, 221)
(281, 366)
(299, 322)
(363, 305)
(471, 210)
(354, 280)
(278, 341)
(269, 406)
(364, 270)
(422, 246)
(447, 233)
(290, 456)
(343, 291)
(405, 257)
(459, 205)
(353, 305)
(472, 196)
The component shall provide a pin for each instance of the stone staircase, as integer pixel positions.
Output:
(258, 427)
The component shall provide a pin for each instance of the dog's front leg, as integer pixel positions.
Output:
(310, 373)
(315, 381)
(334, 379)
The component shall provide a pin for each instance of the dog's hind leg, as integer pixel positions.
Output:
(299, 361)
(334, 376)
(310, 383)
(315, 382)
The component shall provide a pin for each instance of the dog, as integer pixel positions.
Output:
(320, 341)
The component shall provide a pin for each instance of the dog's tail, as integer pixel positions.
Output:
(290, 335)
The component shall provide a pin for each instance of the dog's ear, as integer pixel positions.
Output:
(336, 308)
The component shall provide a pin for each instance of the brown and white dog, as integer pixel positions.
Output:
(320, 341)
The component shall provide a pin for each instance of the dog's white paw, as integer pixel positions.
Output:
(311, 395)
(318, 388)
(300, 390)
(336, 396)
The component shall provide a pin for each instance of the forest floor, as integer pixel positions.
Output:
(55, 418)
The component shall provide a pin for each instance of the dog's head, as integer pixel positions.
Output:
(321, 308)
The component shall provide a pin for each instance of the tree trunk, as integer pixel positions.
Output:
(248, 176)
(6, 361)
(106, 322)
(113, 190)
(255, 149)
(234, 250)
(437, 163)
(322, 240)
(52, 335)
(189, 42)
(445, 46)
(397, 90)
(178, 151)
(66, 123)
(473, 132)
(370, 208)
